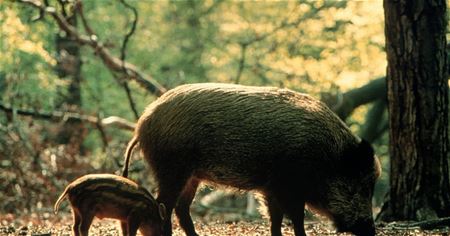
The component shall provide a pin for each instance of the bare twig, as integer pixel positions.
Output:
(130, 100)
(41, 13)
(282, 25)
(113, 63)
(79, 8)
(241, 63)
(288, 74)
(102, 132)
(123, 54)
(214, 5)
(62, 3)
(311, 14)
(118, 122)
(130, 33)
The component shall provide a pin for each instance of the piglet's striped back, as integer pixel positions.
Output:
(114, 189)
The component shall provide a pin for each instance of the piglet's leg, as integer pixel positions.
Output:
(133, 224)
(76, 223)
(86, 221)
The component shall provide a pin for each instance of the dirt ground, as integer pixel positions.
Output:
(46, 225)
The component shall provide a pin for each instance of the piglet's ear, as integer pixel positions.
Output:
(162, 211)
(360, 158)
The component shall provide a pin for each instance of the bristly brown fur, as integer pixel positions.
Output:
(288, 146)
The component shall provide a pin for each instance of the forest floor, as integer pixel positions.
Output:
(46, 225)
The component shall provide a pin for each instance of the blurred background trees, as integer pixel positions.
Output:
(332, 50)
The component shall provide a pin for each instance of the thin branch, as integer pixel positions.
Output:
(130, 100)
(241, 63)
(288, 74)
(79, 8)
(102, 132)
(311, 14)
(215, 4)
(115, 121)
(113, 63)
(41, 14)
(284, 24)
(130, 33)
(373, 122)
(62, 3)
(123, 55)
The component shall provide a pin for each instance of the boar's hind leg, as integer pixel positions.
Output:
(124, 227)
(297, 215)
(171, 182)
(275, 214)
(183, 205)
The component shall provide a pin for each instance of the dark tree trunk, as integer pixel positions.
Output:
(418, 109)
(69, 68)
(69, 64)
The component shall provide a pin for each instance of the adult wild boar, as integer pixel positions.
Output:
(286, 145)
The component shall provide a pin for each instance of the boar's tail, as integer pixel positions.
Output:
(60, 199)
(128, 153)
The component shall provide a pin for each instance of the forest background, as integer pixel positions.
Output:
(68, 111)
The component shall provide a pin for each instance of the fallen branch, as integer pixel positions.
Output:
(344, 104)
(113, 63)
(426, 224)
(113, 121)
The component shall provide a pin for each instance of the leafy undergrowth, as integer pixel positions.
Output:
(29, 189)
(61, 225)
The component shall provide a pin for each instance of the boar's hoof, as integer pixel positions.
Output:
(363, 228)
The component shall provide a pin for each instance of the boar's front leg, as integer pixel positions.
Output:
(294, 207)
(299, 227)
(124, 227)
(275, 214)
(183, 205)
(297, 214)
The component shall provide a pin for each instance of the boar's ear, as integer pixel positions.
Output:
(359, 158)
(162, 211)
(365, 149)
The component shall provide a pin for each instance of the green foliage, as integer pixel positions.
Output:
(308, 46)
(25, 64)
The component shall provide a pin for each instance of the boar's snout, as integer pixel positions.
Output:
(363, 228)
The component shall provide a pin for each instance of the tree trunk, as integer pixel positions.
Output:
(69, 68)
(418, 110)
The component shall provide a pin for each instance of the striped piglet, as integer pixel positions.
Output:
(112, 196)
